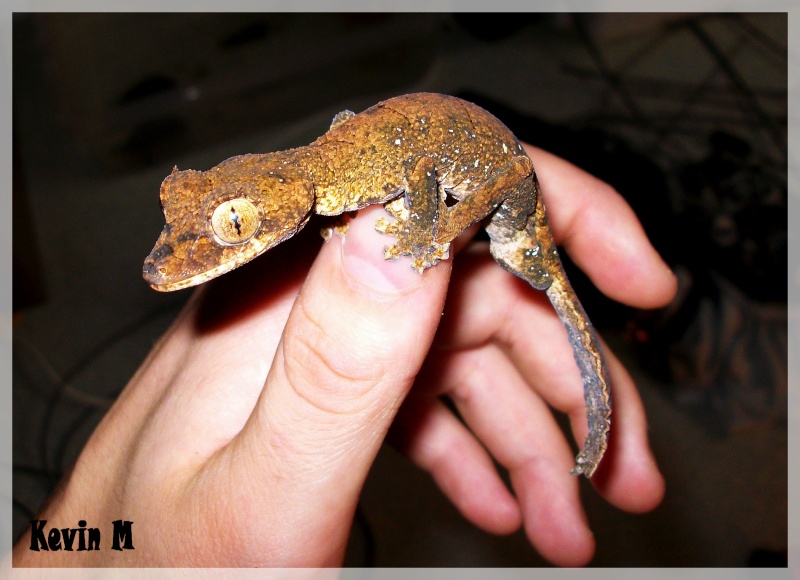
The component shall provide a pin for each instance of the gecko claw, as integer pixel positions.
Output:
(422, 259)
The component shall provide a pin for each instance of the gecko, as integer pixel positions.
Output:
(438, 164)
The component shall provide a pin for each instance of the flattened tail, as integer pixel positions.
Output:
(591, 362)
(531, 254)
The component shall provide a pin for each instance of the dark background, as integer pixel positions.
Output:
(684, 114)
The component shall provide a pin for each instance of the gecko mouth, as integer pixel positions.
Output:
(166, 271)
(162, 283)
(157, 267)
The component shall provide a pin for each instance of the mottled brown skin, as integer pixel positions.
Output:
(439, 164)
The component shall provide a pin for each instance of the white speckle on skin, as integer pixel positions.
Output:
(505, 148)
(397, 141)
(477, 163)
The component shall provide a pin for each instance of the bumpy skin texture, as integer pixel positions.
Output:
(439, 164)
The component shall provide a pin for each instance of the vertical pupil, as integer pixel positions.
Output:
(235, 219)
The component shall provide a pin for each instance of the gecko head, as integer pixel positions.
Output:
(220, 219)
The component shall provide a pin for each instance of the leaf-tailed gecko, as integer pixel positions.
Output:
(438, 163)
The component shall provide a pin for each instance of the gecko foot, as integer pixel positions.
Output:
(399, 227)
(425, 251)
(423, 258)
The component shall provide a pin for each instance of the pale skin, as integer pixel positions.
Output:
(246, 436)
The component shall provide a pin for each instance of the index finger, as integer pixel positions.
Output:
(602, 234)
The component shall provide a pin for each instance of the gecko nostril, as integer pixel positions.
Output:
(149, 269)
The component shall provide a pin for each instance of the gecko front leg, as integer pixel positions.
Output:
(417, 216)
(424, 226)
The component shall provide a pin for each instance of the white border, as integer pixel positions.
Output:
(408, 5)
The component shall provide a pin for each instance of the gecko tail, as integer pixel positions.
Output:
(591, 362)
(539, 265)
(530, 253)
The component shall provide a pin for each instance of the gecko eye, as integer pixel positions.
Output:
(235, 221)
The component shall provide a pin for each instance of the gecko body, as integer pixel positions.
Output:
(437, 163)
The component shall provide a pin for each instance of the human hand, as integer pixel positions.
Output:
(502, 357)
(217, 466)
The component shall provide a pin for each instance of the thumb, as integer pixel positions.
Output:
(353, 344)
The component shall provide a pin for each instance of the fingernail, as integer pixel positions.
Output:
(363, 257)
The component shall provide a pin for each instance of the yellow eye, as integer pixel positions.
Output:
(235, 221)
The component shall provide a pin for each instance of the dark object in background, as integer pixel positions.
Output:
(735, 219)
